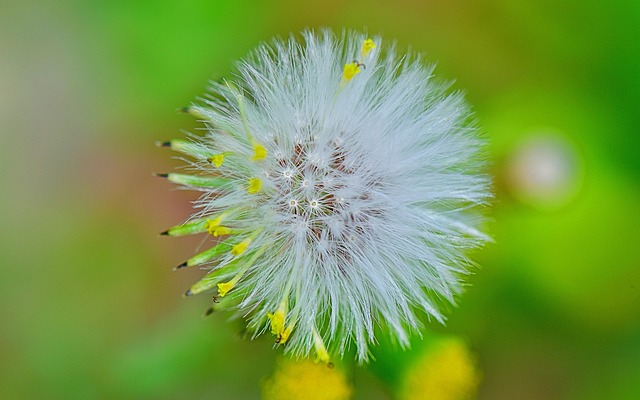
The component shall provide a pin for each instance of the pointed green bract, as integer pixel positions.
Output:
(193, 111)
(189, 148)
(208, 255)
(199, 181)
(189, 228)
(211, 280)
(206, 283)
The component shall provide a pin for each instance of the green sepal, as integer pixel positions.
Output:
(195, 180)
(193, 111)
(208, 255)
(188, 147)
(189, 228)
(206, 283)
(210, 280)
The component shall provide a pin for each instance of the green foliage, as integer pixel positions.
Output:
(91, 307)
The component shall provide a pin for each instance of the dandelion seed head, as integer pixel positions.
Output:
(347, 191)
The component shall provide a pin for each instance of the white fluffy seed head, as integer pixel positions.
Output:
(360, 213)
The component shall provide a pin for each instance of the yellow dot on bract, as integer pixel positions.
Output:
(445, 372)
(306, 380)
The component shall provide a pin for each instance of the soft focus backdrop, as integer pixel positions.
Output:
(90, 307)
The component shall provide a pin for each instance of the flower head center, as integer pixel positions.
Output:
(323, 194)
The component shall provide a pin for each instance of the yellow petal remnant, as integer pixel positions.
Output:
(259, 152)
(306, 380)
(278, 320)
(211, 224)
(241, 247)
(217, 160)
(255, 184)
(215, 229)
(445, 372)
(220, 231)
(367, 46)
(224, 287)
(284, 335)
(350, 70)
(321, 350)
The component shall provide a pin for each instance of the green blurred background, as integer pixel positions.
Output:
(90, 307)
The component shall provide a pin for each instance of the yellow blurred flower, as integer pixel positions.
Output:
(306, 380)
(447, 371)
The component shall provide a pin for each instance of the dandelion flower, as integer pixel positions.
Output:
(342, 187)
